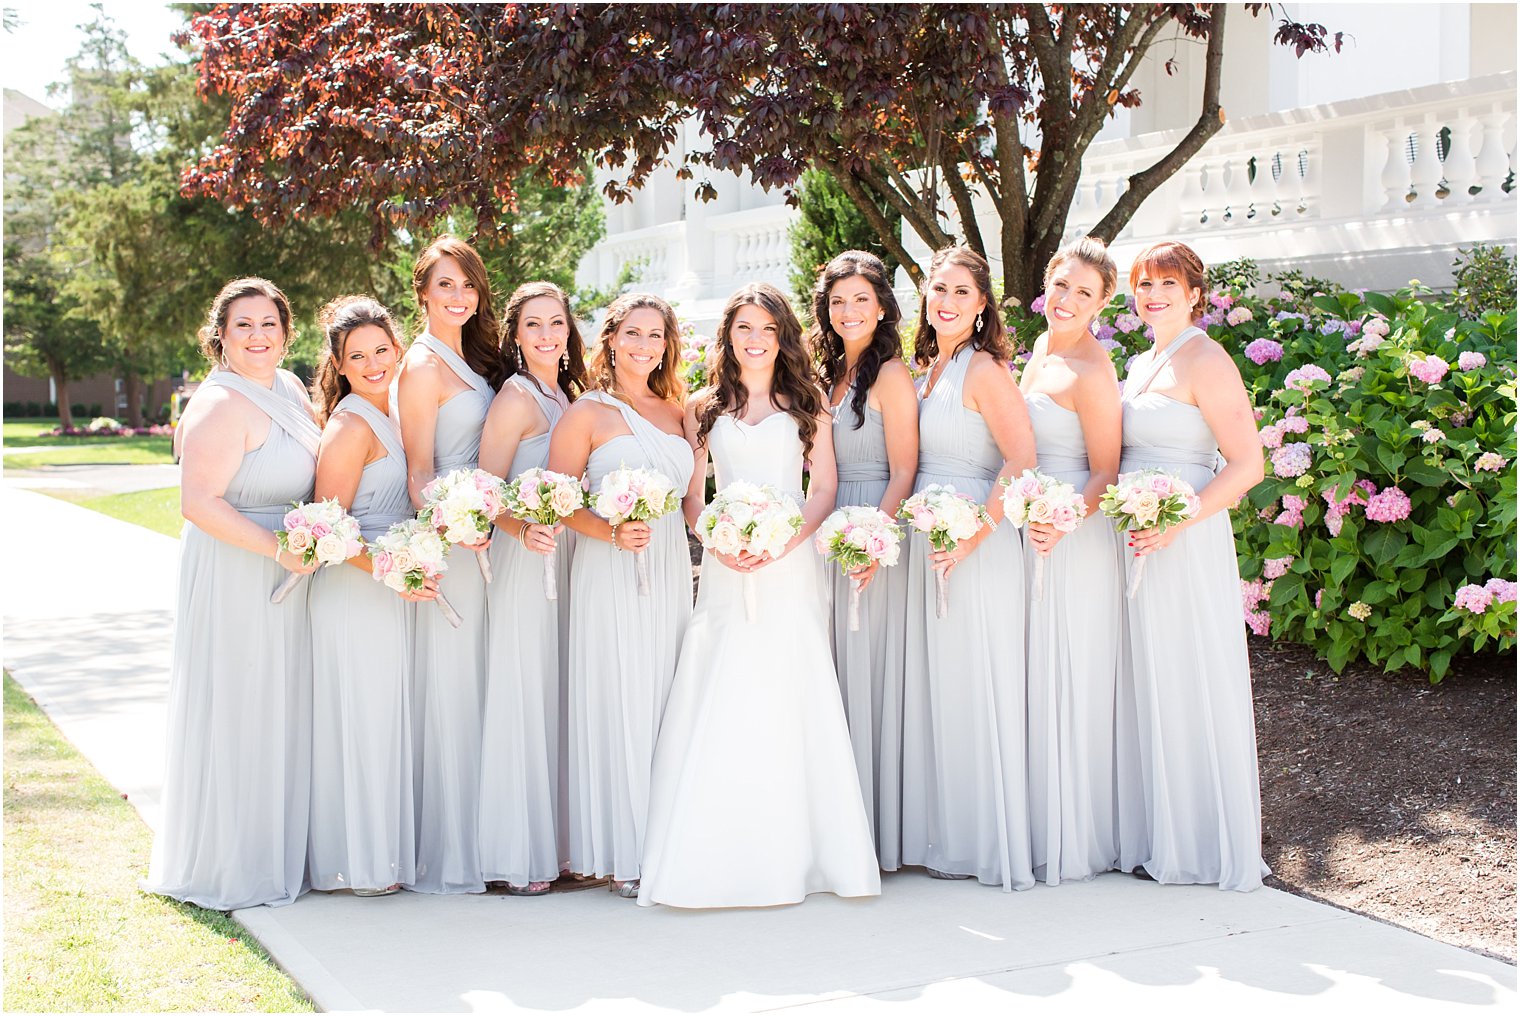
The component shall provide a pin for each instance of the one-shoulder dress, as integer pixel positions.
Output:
(363, 832)
(869, 660)
(623, 649)
(965, 802)
(523, 836)
(1073, 663)
(237, 775)
(1189, 796)
(449, 680)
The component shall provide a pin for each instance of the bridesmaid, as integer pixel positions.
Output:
(522, 811)
(965, 809)
(875, 426)
(448, 380)
(623, 645)
(238, 764)
(1072, 393)
(362, 824)
(1189, 799)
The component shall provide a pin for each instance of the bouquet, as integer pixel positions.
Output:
(547, 498)
(636, 495)
(747, 517)
(856, 536)
(1148, 499)
(460, 506)
(318, 531)
(410, 553)
(948, 517)
(1037, 497)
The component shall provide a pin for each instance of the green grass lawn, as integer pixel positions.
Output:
(125, 451)
(79, 935)
(157, 510)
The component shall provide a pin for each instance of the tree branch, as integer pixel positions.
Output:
(889, 237)
(961, 195)
(1210, 120)
(910, 206)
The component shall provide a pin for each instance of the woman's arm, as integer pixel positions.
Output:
(512, 415)
(696, 491)
(899, 418)
(418, 390)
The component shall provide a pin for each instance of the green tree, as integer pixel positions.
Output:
(45, 336)
(830, 223)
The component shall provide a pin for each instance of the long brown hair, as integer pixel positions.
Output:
(826, 343)
(339, 318)
(480, 342)
(990, 337)
(210, 333)
(572, 379)
(794, 385)
(666, 380)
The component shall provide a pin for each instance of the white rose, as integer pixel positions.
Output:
(332, 549)
(297, 540)
(1041, 510)
(404, 560)
(566, 499)
(426, 548)
(726, 538)
(395, 580)
(742, 513)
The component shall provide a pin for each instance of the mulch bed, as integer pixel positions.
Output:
(1389, 796)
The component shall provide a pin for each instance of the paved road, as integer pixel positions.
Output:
(88, 634)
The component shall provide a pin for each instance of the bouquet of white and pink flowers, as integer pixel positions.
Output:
(460, 505)
(546, 498)
(947, 516)
(410, 553)
(856, 536)
(1148, 499)
(1038, 497)
(748, 517)
(318, 531)
(636, 495)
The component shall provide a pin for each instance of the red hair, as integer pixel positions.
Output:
(1174, 259)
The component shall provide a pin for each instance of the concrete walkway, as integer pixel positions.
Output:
(95, 478)
(87, 629)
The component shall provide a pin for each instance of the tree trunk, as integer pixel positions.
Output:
(133, 385)
(61, 389)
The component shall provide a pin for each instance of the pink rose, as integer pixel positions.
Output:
(1161, 484)
(491, 499)
(298, 539)
(625, 500)
(876, 546)
(320, 529)
(295, 518)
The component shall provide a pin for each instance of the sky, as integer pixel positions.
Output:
(33, 55)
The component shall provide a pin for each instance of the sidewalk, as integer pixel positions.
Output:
(87, 633)
(94, 478)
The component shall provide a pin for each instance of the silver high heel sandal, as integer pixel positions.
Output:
(629, 890)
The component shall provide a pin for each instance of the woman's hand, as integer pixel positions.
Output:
(292, 563)
(1148, 541)
(539, 538)
(944, 561)
(1043, 538)
(632, 536)
(429, 591)
(483, 543)
(863, 575)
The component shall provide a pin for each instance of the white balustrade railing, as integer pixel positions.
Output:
(658, 254)
(751, 246)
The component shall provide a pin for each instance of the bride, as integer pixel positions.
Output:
(755, 801)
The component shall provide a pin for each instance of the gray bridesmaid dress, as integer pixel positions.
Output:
(870, 661)
(362, 821)
(523, 836)
(1073, 661)
(237, 773)
(1189, 796)
(450, 672)
(623, 650)
(965, 805)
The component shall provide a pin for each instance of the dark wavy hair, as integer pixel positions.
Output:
(210, 333)
(666, 380)
(828, 347)
(480, 339)
(338, 319)
(794, 380)
(572, 379)
(991, 337)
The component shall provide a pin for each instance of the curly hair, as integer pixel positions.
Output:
(828, 346)
(480, 339)
(572, 379)
(990, 337)
(210, 333)
(794, 385)
(1177, 260)
(666, 381)
(338, 319)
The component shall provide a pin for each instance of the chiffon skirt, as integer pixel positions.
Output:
(1074, 633)
(869, 662)
(1189, 798)
(965, 804)
(448, 689)
(363, 832)
(623, 650)
(756, 800)
(523, 837)
(237, 773)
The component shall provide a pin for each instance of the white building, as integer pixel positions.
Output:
(1360, 190)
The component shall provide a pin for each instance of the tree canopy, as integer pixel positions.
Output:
(411, 111)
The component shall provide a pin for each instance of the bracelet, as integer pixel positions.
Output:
(276, 555)
(615, 544)
(522, 536)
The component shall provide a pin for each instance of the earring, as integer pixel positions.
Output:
(611, 357)
(564, 360)
(880, 315)
(978, 322)
(222, 360)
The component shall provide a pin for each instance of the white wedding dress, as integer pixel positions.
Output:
(755, 800)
